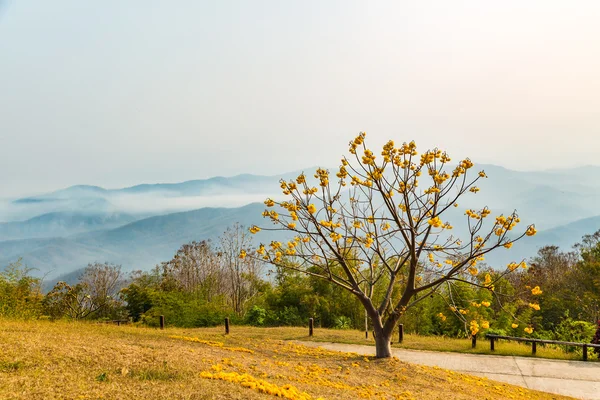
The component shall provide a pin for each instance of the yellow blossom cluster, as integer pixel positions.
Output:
(212, 344)
(485, 303)
(323, 176)
(504, 224)
(535, 306)
(271, 214)
(528, 330)
(536, 291)
(442, 316)
(260, 385)
(462, 168)
(359, 140)
(474, 327)
(513, 265)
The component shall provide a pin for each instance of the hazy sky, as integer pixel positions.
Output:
(118, 92)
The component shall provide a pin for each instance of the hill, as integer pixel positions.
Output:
(62, 224)
(138, 245)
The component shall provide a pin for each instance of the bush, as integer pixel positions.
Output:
(499, 332)
(183, 312)
(596, 340)
(573, 331)
(342, 322)
(256, 316)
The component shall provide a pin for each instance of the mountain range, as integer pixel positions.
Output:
(142, 225)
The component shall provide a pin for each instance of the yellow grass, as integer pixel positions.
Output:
(45, 360)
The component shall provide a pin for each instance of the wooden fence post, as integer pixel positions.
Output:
(161, 320)
(400, 333)
(227, 326)
(311, 326)
(585, 352)
(492, 344)
(473, 341)
(533, 348)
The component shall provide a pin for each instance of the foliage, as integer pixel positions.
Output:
(596, 339)
(256, 316)
(20, 293)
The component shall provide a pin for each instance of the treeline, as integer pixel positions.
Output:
(558, 294)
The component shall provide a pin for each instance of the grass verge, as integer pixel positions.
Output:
(62, 360)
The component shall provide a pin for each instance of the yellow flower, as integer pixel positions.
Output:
(485, 324)
(291, 225)
(528, 330)
(269, 203)
(435, 222)
(488, 279)
(536, 291)
(335, 236)
(254, 229)
(485, 303)
(531, 231)
(294, 216)
(243, 254)
(535, 306)
(512, 266)
(474, 326)
(261, 250)
(311, 208)
(514, 326)
(508, 245)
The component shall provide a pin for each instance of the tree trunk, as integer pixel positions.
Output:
(383, 348)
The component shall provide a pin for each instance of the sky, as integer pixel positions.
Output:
(116, 93)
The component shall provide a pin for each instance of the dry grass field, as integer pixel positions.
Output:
(62, 360)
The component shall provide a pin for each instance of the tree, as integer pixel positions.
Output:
(95, 294)
(385, 229)
(103, 283)
(72, 301)
(241, 274)
(195, 270)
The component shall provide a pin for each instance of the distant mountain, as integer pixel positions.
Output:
(62, 224)
(563, 236)
(138, 245)
(141, 225)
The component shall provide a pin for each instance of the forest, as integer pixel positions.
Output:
(205, 282)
